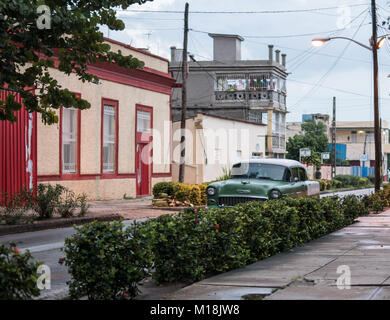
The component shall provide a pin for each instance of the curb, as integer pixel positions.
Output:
(176, 209)
(54, 224)
(343, 190)
(59, 294)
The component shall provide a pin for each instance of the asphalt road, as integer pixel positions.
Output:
(46, 246)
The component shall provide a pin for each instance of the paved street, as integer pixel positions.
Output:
(45, 245)
(310, 271)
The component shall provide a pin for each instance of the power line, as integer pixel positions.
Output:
(326, 74)
(245, 12)
(308, 56)
(279, 36)
(319, 53)
(332, 88)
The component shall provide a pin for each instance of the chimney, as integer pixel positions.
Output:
(284, 59)
(271, 53)
(176, 55)
(227, 47)
(277, 53)
(173, 49)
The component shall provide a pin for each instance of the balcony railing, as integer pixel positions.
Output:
(239, 95)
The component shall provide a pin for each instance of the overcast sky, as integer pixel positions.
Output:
(315, 72)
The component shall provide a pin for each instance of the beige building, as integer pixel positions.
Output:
(122, 144)
(215, 143)
(359, 139)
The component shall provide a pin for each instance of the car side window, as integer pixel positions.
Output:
(302, 174)
(287, 175)
(294, 174)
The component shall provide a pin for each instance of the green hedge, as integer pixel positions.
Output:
(107, 262)
(197, 243)
(352, 181)
(343, 181)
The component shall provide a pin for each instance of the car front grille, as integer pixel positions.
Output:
(232, 201)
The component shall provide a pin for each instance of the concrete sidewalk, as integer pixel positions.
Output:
(310, 272)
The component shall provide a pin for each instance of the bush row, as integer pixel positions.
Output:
(107, 261)
(343, 181)
(47, 201)
(190, 193)
(352, 181)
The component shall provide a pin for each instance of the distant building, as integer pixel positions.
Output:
(250, 90)
(359, 139)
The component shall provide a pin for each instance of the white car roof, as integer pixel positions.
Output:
(281, 162)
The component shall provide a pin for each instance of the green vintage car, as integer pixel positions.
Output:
(261, 179)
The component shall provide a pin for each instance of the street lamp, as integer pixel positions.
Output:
(375, 44)
(321, 41)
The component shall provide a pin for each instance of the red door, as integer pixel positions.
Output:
(143, 169)
(18, 152)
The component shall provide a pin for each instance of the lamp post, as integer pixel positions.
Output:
(375, 44)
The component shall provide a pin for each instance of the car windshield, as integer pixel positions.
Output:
(260, 171)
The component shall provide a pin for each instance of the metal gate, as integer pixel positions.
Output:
(18, 152)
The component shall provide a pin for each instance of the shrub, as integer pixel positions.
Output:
(336, 184)
(107, 261)
(18, 279)
(354, 206)
(84, 206)
(324, 184)
(203, 188)
(363, 182)
(378, 200)
(371, 179)
(67, 204)
(348, 180)
(226, 174)
(183, 192)
(163, 187)
(47, 199)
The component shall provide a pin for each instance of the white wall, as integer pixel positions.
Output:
(229, 136)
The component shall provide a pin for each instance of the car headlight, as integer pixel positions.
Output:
(211, 191)
(275, 194)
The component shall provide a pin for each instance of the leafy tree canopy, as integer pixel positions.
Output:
(314, 137)
(27, 50)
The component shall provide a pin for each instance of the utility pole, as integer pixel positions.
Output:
(377, 132)
(334, 155)
(184, 97)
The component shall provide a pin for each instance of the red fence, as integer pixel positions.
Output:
(18, 151)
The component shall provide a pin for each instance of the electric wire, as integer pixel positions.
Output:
(322, 79)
